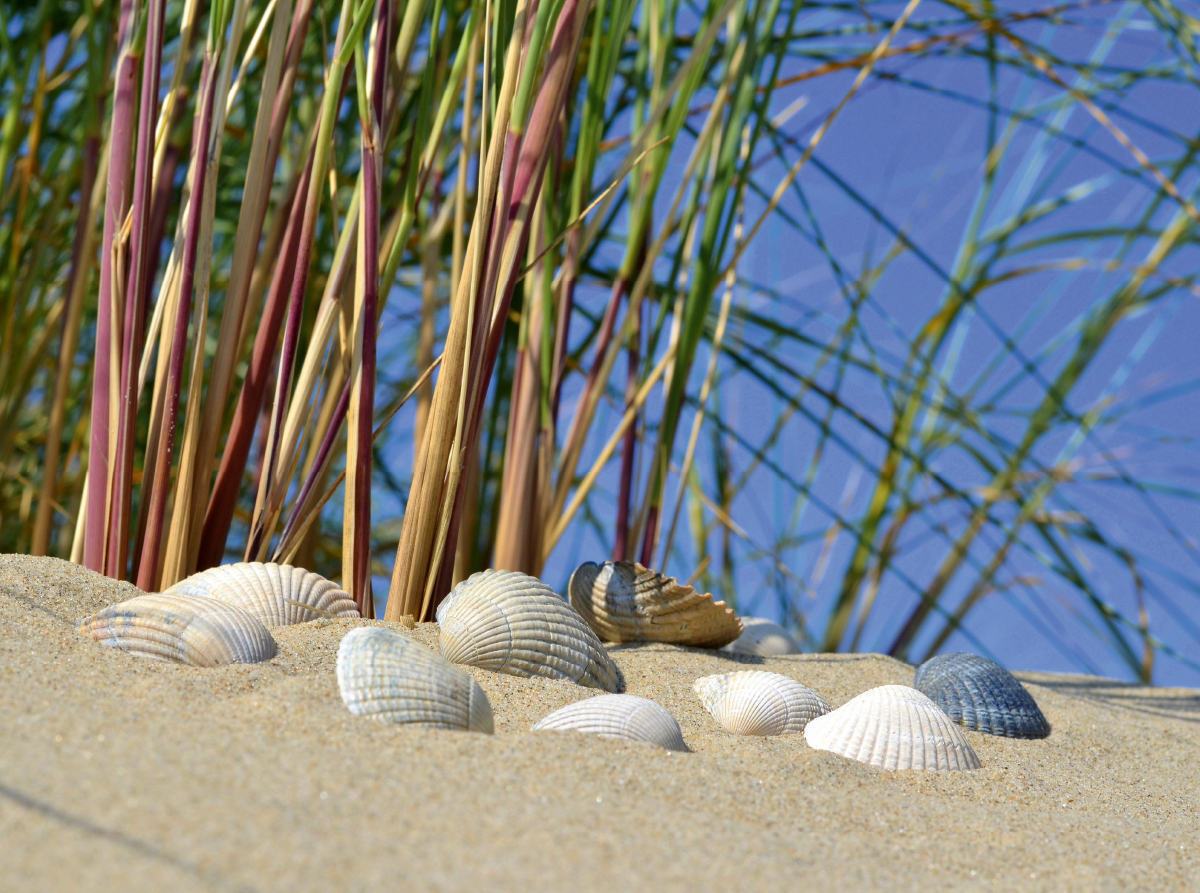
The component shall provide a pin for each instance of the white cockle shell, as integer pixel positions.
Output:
(893, 727)
(625, 602)
(763, 638)
(388, 677)
(754, 702)
(278, 595)
(510, 622)
(627, 717)
(193, 630)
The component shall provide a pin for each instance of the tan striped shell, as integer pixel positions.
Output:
(754, 702)
(510, 622)
(388, 677)
(893, 727)
(625, 602)
(278, 595)
(192, 630)
(627, 717)
(763, 638)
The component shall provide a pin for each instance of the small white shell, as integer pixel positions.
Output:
(627, 717)
(893, 727)
(764, 638)
(510, 622)
(278, 595)
(753, 702)
(625, 602)
(389, 677)
(192, 630)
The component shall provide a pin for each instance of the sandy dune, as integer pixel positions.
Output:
(124, 774)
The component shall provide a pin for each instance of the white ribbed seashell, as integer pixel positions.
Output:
(389, 677)
(753, 702)
(625, 602)
(193, 630)
(278, 595)
(510, 622)
(764, 638)
(893, 727)
(627, 717)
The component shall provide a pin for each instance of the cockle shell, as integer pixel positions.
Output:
(753, 702)
(625, 602)
(627, 717)
(389, 677)
(893, 727)
(982, 695)
(278, 595)
(764, 638)
(513, 623)
(193, 630)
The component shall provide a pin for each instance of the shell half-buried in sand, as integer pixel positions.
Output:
(754, 702)
(763, 638)
(982, 695)
(193, 630)
(388, 677)
(510, 622)
(625, 602)
(278, 595)
(893, 727)
(627, 717)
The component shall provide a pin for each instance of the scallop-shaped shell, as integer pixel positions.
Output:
(193, 630)
(982, 695)
(764, 638)
(627, 717)
(753, 702)
(513, 623)
(389, 677)
(893, 727)
(625, 602)
(278, 595)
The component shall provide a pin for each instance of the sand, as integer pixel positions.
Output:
(123, 773)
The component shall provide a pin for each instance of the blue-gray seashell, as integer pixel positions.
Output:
(981, 695)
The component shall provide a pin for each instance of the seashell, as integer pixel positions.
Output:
(981, 695)
(627, 717)
(764, 638)
(625, 602)
(278, 595)
(389, 677)
(753, 702)
(510, 622)
(893, 727)
(193, 630)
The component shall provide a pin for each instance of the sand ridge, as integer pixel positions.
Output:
(117, 772)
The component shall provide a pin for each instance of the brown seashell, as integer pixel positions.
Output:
(625, 602)
(278, 595)
(192, 630)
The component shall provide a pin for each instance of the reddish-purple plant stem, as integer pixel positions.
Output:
(320, 462)
(160, 208)
(219, 516)
(629, 444)
(147, 578)
(115, 206)
(566, 307)
(647, 555)
(370, 254)
(121, 495)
